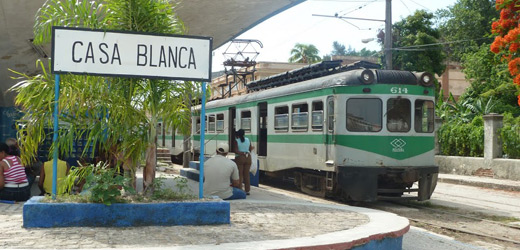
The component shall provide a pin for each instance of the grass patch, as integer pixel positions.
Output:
(160, 194)
(497, 218)
(428, 204)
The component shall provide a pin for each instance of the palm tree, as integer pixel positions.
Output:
(304, 53)
(107, 111)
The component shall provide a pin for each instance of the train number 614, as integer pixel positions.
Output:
(399, 90)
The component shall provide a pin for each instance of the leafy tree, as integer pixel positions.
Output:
(507, 40)
(304, 53)
(467, 24)
(338, 49)
(364, 52)
(414, 40)
(489, 78)
(118, 114)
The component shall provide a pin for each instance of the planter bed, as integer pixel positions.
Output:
(41, 214)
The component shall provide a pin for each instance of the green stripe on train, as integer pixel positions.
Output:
(210, 137)
(375, 89)
(396, 147)
(169, 137)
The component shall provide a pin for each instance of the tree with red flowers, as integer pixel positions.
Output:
(507, 41)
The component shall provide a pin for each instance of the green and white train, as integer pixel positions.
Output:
(360, 133)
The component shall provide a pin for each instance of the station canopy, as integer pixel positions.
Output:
(221, 19)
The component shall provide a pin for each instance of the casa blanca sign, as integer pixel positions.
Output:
(126, 54)
(129, 54)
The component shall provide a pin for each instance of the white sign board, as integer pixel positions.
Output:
(115, 53)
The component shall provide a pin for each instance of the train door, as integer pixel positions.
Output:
(329, 131)
(160, 135)
(262, 129)
(231, 128)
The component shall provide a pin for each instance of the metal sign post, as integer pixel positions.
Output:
(202, 141)
(55, 136)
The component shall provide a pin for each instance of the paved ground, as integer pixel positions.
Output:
(264, 216)
(249, 221)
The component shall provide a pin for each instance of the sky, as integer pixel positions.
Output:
(280, 33)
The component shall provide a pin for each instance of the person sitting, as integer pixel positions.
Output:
(14, 185)
(46, 173)
(221, 176)
(14, 149)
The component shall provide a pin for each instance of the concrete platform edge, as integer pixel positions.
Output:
(38, 214)
(382, 226)
(460, 180)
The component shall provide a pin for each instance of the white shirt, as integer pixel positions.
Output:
(218, 173)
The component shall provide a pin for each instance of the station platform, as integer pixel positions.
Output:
(267, 219)
(479, 181)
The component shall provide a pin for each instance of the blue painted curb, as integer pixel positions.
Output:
(39, 214)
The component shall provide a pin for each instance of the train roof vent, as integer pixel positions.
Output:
(306, 73)
(396, 77)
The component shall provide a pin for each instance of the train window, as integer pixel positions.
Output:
(197, 126)
(205, 124)
(364, 115)
(317, 115)
(281, 118)
(245, 121)
(300, 117)
(220, 122)
(173, 136)
(398, 115)
(211, 124)
(159, 129)
(330, 113)
(424, 116)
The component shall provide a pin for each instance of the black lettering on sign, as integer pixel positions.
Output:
(162, 57)
(192, 59)
(179, 57)
(105, 60)
(141, 54)
(151, 58)
(90, 53)
(115, 54)
(74, 52)
(172, 58)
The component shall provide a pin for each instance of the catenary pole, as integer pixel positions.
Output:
(388, 34)
(55, 135)
(202, 141)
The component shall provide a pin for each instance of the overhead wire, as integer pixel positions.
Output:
(414, 47)
(350, 10)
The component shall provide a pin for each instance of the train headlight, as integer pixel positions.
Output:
(367, 76)
(426, 79)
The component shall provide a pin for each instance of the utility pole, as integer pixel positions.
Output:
(388, 34)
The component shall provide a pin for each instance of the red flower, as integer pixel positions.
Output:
(516, 80)
(513, 66)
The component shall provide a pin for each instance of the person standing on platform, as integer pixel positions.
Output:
(221, 176)
(243, 158)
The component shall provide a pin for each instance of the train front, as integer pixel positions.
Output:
(385, 145)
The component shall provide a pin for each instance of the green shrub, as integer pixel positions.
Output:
(510, 136)
(457, 138)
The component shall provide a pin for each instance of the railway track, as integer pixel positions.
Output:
(460, 230)
(459, 224)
